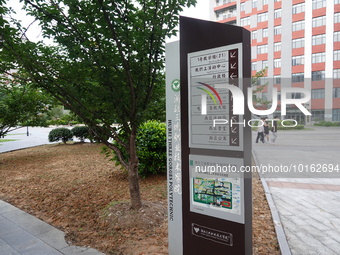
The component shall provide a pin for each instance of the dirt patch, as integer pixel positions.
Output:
(74, 188)
(121, 216)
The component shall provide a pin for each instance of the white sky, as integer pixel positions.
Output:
(201, 11)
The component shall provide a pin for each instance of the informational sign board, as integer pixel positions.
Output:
(210, 203)
(215, 192)
(209, 99)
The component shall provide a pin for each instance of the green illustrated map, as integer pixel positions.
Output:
(214, 192)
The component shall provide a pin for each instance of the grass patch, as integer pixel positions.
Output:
(7, 140)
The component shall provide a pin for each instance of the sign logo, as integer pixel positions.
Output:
(210, 94)
(176, 85)
(211, 234)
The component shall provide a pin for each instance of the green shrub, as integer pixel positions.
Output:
(80, 132)
(151, 148)
(327, 124)
(57, 134)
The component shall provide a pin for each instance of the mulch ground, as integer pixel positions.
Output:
(76, 189)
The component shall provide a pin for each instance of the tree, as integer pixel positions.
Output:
(20, 104)
(107, 65)
(259, 85)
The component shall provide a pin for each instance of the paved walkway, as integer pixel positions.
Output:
(20, 232)
(37, 136)
(308, 206)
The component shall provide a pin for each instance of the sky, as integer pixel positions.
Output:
(201, 11)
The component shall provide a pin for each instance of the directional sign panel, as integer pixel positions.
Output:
(209, 100)
(215, 71)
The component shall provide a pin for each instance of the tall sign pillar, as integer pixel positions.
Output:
(216, 196)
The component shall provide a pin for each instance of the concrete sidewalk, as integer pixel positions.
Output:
(20, 232)
(309, 208)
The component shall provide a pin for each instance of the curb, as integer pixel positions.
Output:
(280, 233)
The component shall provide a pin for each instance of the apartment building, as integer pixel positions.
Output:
(298, 41)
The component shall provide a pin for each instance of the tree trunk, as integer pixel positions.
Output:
(136, 201)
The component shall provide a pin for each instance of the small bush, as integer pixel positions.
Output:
(327, 124)
(151, 148)
(80, 132)
(62, 134)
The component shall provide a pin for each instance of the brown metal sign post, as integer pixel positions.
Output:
(215, 142)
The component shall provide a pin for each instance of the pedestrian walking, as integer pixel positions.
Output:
(274, 128)
(266, 130)
(260, 131)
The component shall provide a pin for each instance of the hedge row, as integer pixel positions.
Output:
(65, 134)
(327, 124)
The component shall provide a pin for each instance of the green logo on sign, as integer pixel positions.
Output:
(176, 85)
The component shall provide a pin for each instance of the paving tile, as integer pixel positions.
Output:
(6, 207)
(41, 249)
(70, 250)
(55, 238)
(8, 250)
(20, 240)
(7, 227)
(28, 222)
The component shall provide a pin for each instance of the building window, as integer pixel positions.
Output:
(319, 21)
(337, 17)
(277, 30)
(253, 66)
(318, 93)
(254, 4)
(277, 63)
(318, 39)
(299, 25)
(243, 6)
(298, 77)
(264, 32)
(337, 36)
(264, 64)
(277, 1)
(336, 73)
(318, 115)
(245, 21)
(318, 57)
(261, 49)
(264, 2)
(298, 60)
(298, 43)
(336, 1)
(336, 55)
(253, 34)
(262, 17)
(336, 115)
(277, 46)
(298, 8)
(317, 4)
(318, 76)
(277, 79)
(277, 13)
(336, 92)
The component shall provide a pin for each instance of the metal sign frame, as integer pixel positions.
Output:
(205, 230)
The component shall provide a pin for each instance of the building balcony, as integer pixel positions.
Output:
(226, 17)
(225, 4)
